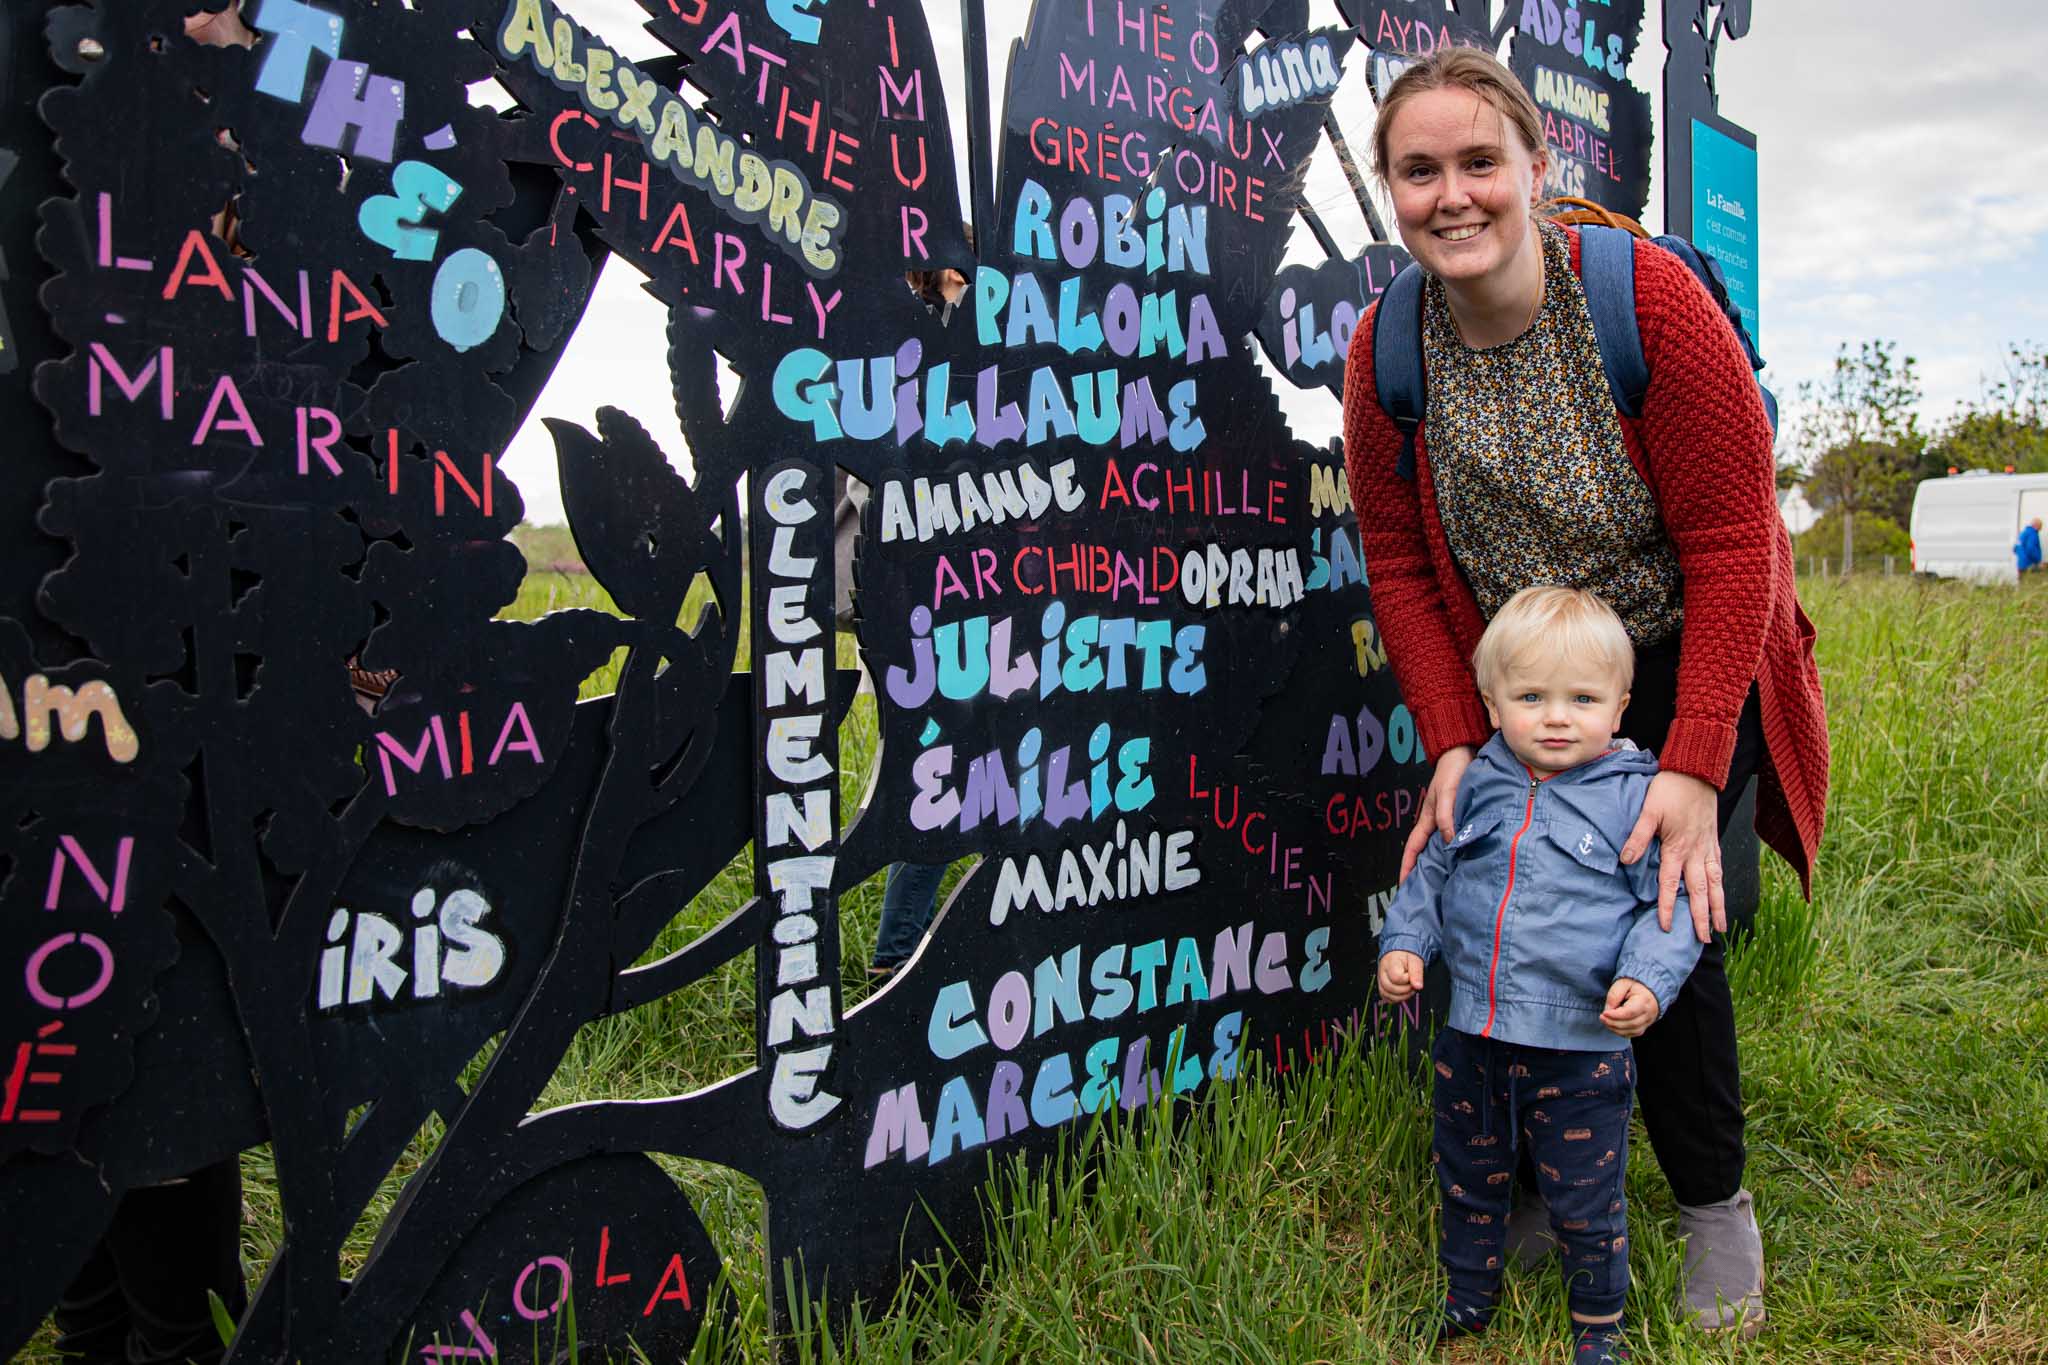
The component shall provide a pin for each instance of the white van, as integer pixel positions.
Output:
(1964, 526)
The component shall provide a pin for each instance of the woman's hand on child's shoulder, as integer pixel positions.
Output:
(1439, 805)
(1682, 814)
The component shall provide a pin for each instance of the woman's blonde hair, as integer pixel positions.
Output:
(1466, 68)
(1553, 623)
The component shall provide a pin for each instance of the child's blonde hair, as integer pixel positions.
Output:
(1557, 623)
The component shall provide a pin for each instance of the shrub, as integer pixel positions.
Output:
(1875, 536)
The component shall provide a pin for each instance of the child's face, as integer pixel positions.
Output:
(1557, 713)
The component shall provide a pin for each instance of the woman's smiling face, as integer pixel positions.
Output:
(1463, 183)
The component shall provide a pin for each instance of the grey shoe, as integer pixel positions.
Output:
(1724, 1266)
(1529, 1237)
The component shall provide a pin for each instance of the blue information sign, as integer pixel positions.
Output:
(1724, 213)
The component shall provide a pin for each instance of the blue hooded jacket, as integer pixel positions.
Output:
(1531, 906)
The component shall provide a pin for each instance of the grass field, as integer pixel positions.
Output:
(1895, 1050)
(1895, 1040)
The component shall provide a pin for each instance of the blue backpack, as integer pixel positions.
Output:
(1607, 270)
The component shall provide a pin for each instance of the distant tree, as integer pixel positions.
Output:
(1874, 536)
(2006, 427)
(1858, 436)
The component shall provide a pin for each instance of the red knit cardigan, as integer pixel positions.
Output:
(1703, 446)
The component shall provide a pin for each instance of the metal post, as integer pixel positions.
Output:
(980, 171)
(1320, 231)
(1358, 189)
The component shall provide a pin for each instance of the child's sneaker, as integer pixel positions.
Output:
(1598, 1343)
(1456, 1321)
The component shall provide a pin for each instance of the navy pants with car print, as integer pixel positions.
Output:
(1570, 1109)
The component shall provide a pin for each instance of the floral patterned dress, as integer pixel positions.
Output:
(1533, 482)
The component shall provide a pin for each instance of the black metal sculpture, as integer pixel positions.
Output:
(1693, 30)
(1574, 59)
(276, 343)
(283, 304)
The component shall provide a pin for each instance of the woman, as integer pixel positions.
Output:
(1524, 473)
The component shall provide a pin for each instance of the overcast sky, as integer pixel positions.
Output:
(1903, 155)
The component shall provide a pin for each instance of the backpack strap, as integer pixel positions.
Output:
(1607, 269)
(1397, 360)
(1703, 265)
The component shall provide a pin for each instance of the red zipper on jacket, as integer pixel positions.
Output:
(1500, 915)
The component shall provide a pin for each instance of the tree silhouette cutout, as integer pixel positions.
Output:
(286, 346)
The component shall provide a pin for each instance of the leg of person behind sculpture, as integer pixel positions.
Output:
(847, 498)
(142, 1298)
(909, 897)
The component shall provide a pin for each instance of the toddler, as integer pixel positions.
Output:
(1555, 957)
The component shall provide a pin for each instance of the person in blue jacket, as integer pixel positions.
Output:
(1556, 960)
(2028, 550)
